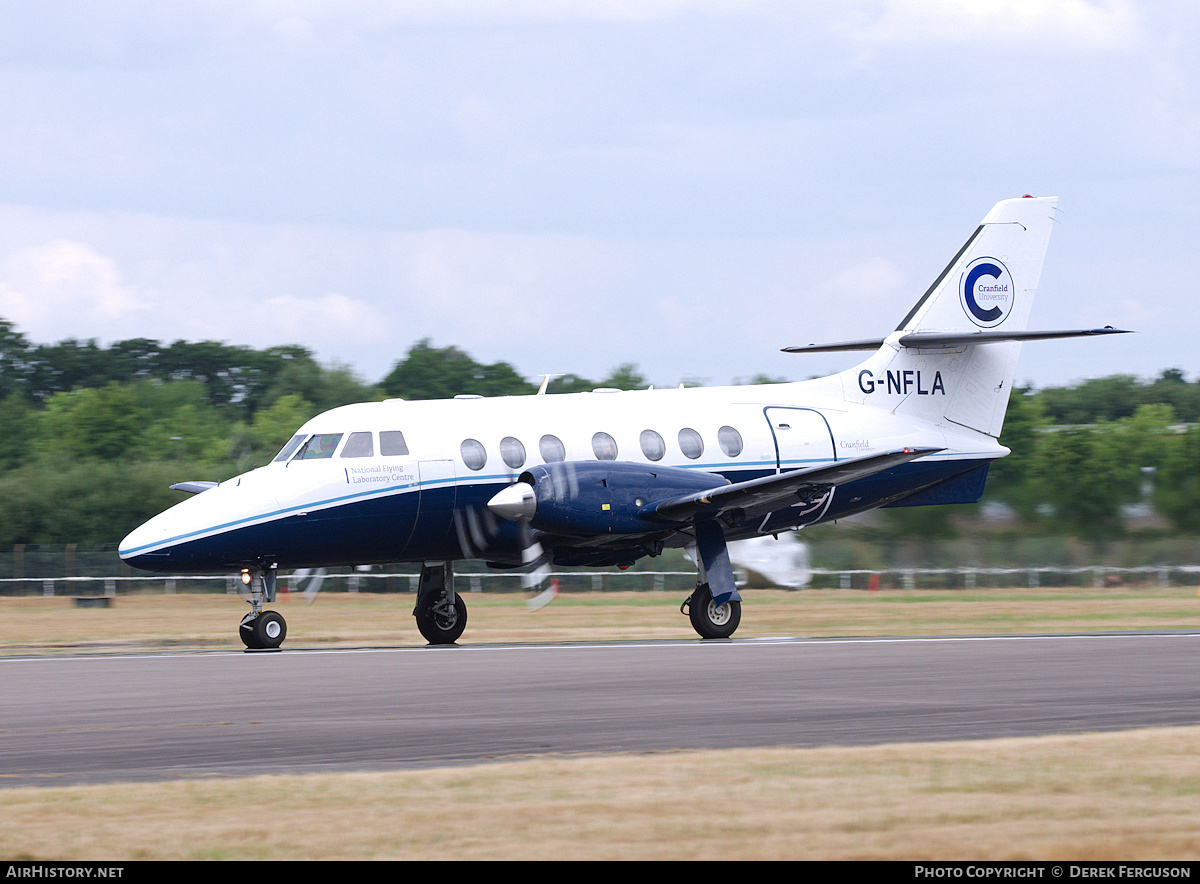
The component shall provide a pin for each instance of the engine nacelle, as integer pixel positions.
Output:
(606, 497)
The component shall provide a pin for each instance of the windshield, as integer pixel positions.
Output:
(289, 449)
(319, 446)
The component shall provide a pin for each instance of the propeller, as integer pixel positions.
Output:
(517, 503)
(314, 579)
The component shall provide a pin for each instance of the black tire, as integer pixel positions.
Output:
(268, 630)
(709, 620)
(246, 633)
(438, 624)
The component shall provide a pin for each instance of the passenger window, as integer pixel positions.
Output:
(474, 455)
(653, 445)
(319, 446)
(512, 452)
(552, 449)
(391, 443)
(730, 441)
(690, 443)
(359, 445)
(604, 447)
(289, 449)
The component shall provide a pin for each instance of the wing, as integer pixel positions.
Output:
(768, 491)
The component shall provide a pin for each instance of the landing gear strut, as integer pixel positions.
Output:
(715, 578)
(261, 630)
(709, 619)
(441, 612)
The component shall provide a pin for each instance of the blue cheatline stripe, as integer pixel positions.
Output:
(478, 480)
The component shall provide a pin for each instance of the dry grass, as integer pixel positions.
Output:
(150, 621)
(1133, 795)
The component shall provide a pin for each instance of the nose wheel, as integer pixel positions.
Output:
(261, 630)
(441, 612)
(264, 632)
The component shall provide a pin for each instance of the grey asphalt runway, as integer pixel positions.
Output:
(75, 719)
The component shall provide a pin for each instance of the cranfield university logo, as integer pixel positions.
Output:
(986, 291)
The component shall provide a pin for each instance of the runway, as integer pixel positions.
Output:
(77, 719)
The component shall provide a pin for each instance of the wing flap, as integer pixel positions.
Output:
(769, 490)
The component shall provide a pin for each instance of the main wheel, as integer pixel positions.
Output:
(266, 631)
(439, 622)
(711, 620)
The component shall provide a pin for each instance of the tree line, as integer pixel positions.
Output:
(91, 435)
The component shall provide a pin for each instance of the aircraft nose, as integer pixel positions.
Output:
(138, 548)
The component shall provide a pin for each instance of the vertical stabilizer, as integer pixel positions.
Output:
(988, 286)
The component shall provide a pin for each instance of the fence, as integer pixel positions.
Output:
(627, 581)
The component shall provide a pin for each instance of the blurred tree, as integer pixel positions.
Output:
(14, 360)
(570, 383)
(429, 372)
(1012, 479)
(625, 377)
(18, 431)
(104, 423)
(1177, 484)
(1080, 476)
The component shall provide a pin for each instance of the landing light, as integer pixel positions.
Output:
(246, 576)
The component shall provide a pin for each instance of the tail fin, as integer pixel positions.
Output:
(924, 368)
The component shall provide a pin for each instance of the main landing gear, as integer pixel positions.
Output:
(261, 630)
(441, 612)
(715, 578)
(709, 619)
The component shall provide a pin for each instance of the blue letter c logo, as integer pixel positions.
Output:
(969, 292)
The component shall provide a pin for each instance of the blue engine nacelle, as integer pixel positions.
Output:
(607, 497)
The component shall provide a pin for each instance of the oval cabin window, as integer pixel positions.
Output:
(653, 445)
(474, 455)
(512, 452)
(552, 449)
(730, 441)
(604, 447)
(690, 443)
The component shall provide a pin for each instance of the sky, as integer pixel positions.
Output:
(688, 185)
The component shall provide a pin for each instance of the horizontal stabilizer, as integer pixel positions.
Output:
(840, 347)
(934, 340)
(192, 487)
(769, 491)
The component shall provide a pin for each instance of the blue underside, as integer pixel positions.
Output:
(412, 527)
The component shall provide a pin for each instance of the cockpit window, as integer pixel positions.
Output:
(391, 443)
(289, 449)
(359, 445)
(319, 446)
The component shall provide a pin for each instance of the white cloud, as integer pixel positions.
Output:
(1070, 24)
(64, 288)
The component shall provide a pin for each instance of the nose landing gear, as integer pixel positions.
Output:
(261, 630)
